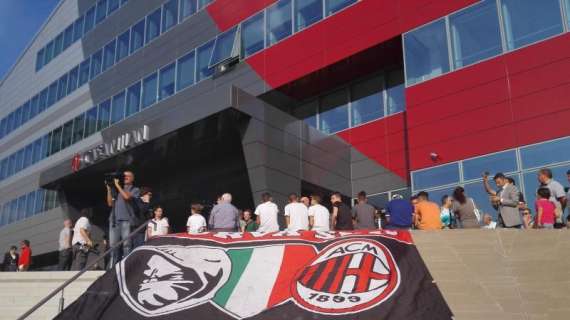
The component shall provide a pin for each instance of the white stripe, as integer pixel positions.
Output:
(348, 284)
(355, 261)
(252, 292)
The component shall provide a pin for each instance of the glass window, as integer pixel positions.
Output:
(58, 45)
(52, 94)
(3, 127)
(55, 140)
(118, 108)
(96, 63)
(14, 210)
(49, 200)
(43, 100)
(3, 169)
(123, 45)
(103, 115)
(166, 81)
(185, 71)
(546, 153)
(26, 112)
(48, 53)
(83, 72)
(22, 207)
(90, 121)
(109, 55)
(426, 52)
(62, 87)
(307, 12)
(124, 2)
(203, 61)
(30, 202)
(5, 214)
(11, 165)
(152, 26)
(11, 123)
(78, 128)
(333, 6)
(40, 197)
(437, 195)
(499, 162)
(367, 101)
(169, 15)
(89, 20)
(223, 46)
(137, 36)
(252, 34)
(379, 201)
(45, 145)
(133, 98)
(40, 59)
(18, 118)
(438, 176)
(203, 3)
(529, 21)
(475, 34)
(101, 11)
(37, 151)
(279, 23)
(34, 106)
(395, 89)
(187, 8)
(72, 82)
(20, 160)
(67, 134)
(68, 37)
(308, 113)
(150, 88)
(477, 192)
(113, 5)
(333, 115)
(78, 28)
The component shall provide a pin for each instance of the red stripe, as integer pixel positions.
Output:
(294, 258)
(337, 282)
(309, 274)
(365, 273)
(325, 275)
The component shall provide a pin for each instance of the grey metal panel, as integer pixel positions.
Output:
(378, 183)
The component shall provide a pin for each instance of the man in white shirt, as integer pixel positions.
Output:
(296, 214)
(82, 243)
(196, 222)
(319, 216)
(266, 214)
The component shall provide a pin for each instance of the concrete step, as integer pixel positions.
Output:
(19, 291)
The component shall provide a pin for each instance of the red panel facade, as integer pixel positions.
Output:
(228, 13)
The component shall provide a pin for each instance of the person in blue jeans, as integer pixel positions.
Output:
(399, 213)
(123, 214)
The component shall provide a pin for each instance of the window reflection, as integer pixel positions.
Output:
(333, 114)
(307, 12)
(279, 23)
(442, 175)
(367, 100)
(252, 34)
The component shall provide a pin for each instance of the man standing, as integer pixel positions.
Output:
(319, 216)
(399, 213)
(363, 213)
(506, 201)
(123, 215)
(25, 258)
(266, 214)
(224, 216)
(341, 215)
(81, 241)
(65, 252)
(296, 214)
(306, 201)
(426, 213)
(557, 194)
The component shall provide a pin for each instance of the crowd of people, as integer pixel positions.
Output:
(129, 206)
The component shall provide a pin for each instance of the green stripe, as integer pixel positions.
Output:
(240, 258)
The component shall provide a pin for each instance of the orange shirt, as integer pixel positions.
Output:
(428, 216)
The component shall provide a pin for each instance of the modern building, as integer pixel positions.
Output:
(199, 97)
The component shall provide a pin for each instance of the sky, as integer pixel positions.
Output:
(20, 20)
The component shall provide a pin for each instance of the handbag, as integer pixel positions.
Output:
(476, 211)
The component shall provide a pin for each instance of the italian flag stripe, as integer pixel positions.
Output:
(261, 277)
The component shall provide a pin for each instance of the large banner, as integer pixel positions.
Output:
(307, 275)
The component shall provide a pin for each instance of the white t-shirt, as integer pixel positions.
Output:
(321, 217)
(196, 223)
(267, 213)
(158, 227)
(298, 216)
(82, 223)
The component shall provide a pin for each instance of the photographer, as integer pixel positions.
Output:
(82, 243)
(121, 200)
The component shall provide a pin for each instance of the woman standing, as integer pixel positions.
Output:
(464, 209)
(158, 226)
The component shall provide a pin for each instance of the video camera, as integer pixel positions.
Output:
(87, 249)
(111, 176)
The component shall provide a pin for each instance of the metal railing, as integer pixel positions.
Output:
(79, 274)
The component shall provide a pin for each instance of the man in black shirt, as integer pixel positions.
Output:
(341, 215)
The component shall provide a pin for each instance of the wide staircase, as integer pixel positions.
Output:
(19, 291)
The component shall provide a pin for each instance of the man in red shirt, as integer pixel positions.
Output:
(25, 256)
